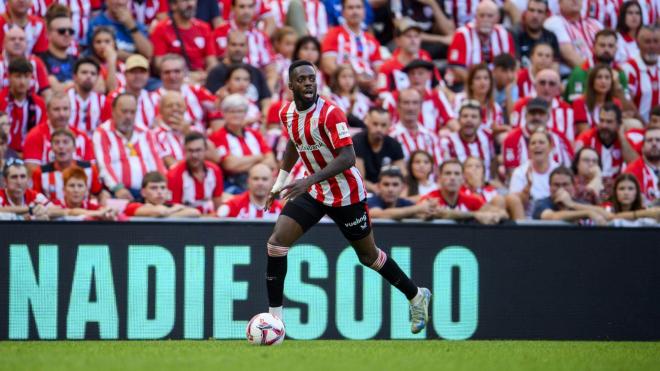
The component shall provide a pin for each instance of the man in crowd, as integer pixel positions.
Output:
(18, 198)
(604, 139)
(250, 204)
(647, 167)
(18, 13)
(86, 104)
(15, 47)
(531, 31)
(170, 127)
(58, 58)
(505, 69)
(386, 202)
(642, 72)
(154, 192)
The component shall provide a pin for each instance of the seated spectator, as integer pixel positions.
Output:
(239, 147)
(531, 33)
(132, 36)
(638, 70)
(48, 179)
(560, 205)
(238, 82)
(76, 201)
(627, 203)
(15, 46)
(541, 58)
(435, 26)
(195, 182)
(125, 152)
(17, 197)
(59, 58)
(627, 27)
(171, 129)
(182, 33)
(633, 131)
(307, 17)
(347, 96)
(149, 12)
(250, 204)
(86, 104)
(388, 204)
(262, 13)
(530, 181)
(137, 75)
(38, 150)
(483, 35)
(409, 131)
(455, 205)
(480, 87)
(154, 192)
(209, 11)
(600, 90)
(104, 51)
(18, 13)
(646, 168)
(589, 185)
(420, 178)
(284, 43)
(237, 49)
(477, 184)
(5, 153)
(374, 149)
(81, 13)
(504, 78)
(24, 109)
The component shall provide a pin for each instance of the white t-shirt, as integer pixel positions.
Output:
(540, 181)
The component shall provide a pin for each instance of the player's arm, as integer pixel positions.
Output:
(288, 161)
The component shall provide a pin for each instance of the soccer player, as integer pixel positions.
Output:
(318, 133)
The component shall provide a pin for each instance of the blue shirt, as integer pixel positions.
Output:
(333, 9)
(377, 202)
(123, 37)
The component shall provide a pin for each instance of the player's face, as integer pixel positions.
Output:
(195, 152)
(607, 126)
(587, 163)
(626, 192)
(17, 180)
(155, 193)
(19, 83)
(303, 84)
(59, 111)
(75, 191)
(390, 188)
(451, 177)
(137, 78)
(86, 77)
(651, 147)
(473, 170)
(378, 125)
(470, 120)
(63, 148)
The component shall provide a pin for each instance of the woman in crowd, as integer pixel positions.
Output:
(238, 82)
(626, 201)
(630, 20)
(421, 178)
(475, 184)
(480, 87)
(76, 197)
(600, 88)
(308, 48)
(587, 168)
(347, 96)
(104, 51)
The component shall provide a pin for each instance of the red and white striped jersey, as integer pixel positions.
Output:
(420, 139)
(199, 102)
(391, 76)
(492, 115)
(648, 178)
(37, 149)
(260, 52)
(38, 8)
(454, 146)
(604, 11)
(81, 11)
(486, 193)
(125, 160)
(170, 140)
(581, 34)
(39, 80)
(262, 9)
(583, 114)
(35, 33)
(85, 113)
(643, 84)
(240, 206)
(316, 17)
(436, 110)
(47, 179)
(562, 117)
(318, 132)
(146, 108)
(466, 48)
(464, 201)
(626, 48)
(461, 11)
(611, 157)
(525, 82)
(362, 51)
(516, 152)
(145, 11)
(189, 191)
(249, 144)
(23, 116)
(360, 106)
(29, 197)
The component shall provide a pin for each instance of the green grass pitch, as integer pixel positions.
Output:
(329, 355)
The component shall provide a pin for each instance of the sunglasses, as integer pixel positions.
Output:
(472, 103)
(547, 83)
(66, 31)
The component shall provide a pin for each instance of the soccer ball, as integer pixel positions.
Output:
(265, 329)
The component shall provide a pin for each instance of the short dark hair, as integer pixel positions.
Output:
(193, 136)
(85, 60)
(308, 39)
(299, 63)
(578, 154)
(505, 61)
(235, 67)
(378, 109)
(542, 43)
(613, 107)
(120, 95)
(451, 161)
(64, 131)
(605, 32)
(20, 65)
(391, 172)
(562, 170)
(152, 177)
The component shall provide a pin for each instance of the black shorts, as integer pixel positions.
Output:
(353, 220)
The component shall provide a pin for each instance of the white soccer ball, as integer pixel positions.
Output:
(265, 329)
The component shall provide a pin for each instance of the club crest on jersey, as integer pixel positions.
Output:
(342, 130)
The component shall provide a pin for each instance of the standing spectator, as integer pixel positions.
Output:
(420, 179)
(629, 24)
(76, 201)
(58, 58)
(154, 192)
(104, 51)
(348, 43)
(17, 197)
(541, 58)
(410, 132)
(643, 73)
(600, 90)
(374, 149)
(576, 33)
(25, 110)
(37, 148)
(86, 104)
(34, 26)
(170, 128)
(48, 178)
(480, 87)
(125, 152)
(183, 34)
(250, 204)
(531, 32)
(605, 139)
(14, 47)
(132, 36)
(478, 42)
(646, 168)
(195, 182)
(627, 203)
(387, 203)
(435, 26)
(347, 95)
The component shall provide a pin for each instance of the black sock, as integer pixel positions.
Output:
(275, 274)
(395, 276)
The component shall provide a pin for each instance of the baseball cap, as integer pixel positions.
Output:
(418, 63)
(538, 104)
(137, 61)
(405, 24)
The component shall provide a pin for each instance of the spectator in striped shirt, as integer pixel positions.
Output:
(251, 203)
(155, 194)
(18, 13)
(643, 73)
(15, 47)
(86, 104)
(17, 197)
(76, 200)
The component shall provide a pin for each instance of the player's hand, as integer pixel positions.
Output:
(295, 188)
(271, 198)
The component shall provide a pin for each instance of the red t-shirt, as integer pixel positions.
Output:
(240, 207)
(35, 33)
(29, 197)
(361, 50)
(23, 116)
(197, 39)
(464, 202)
(86, 204)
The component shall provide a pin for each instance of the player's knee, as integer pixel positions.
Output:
(367, 258)
(276, 249)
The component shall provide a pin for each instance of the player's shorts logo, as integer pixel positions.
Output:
(362, 219)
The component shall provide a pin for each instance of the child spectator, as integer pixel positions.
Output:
(154, 191)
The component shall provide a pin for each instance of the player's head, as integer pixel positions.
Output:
(302, 81)
(154, 188)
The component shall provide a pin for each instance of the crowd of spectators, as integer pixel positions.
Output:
(486, 111)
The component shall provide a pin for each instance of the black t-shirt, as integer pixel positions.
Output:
(217, 76)
(373, 162)
(524, 44)
(377, 202)
(62, 69)
(207, 10)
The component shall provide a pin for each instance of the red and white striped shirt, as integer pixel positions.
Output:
(146, 11)
(421, 139)
(47, 179)
(583, 114)
(516, 152)
(360, 107)
(626, 48)
(391, 76)
(362, 51)
(170, 140)
(85, 113)
(464, 201)
(604, 11)
(647, 177)
(199, 102)
(611, 157)
(436, 109)
(260, 52)
(23, 116)
(38, 8)
(581, 34)
(39, 80)
(643, 84)
(189, 191)
(562, 117)
(486, 193)
(454, 146)
(316, 17)
(125, 160)
(262, 9)
(318, 132)
(461, 11)
(249, 144)
(525, 82)
(35, 33)
(29, 197)
(466, 48)
(37, 149)
(241, 207)
(146, 108)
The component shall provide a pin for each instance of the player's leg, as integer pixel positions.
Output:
(297, 217)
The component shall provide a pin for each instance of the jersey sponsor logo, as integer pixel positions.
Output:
(342, 130)
(309, 147)
(200, 42)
